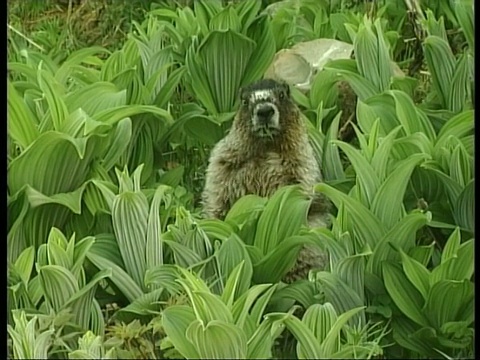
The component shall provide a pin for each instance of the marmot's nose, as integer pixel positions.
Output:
(265, 113)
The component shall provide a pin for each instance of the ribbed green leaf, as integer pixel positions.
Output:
(21, 122)
(120, 278)
(402, 235)
(58, 285)
(163, 96)
(464, 15)
(342, 296)
(332, 164)
(217, 340)
(460, 88)
(230, 255)
(97, 321)
(351, 270)
(417, 273)
(120, 141)
(71, 200)
(404, 294)
(464, 207)
(361, 86)
(330, 344)
(446, 300)
(212, 79)
(164, 276)
(176, 320)
(441, 64)
(422, 254)
(130, 216)
(183, 255)
(367, 181)
(244, 303)
(148, 304)
(411, 118)
(24, 264)
(371, 54)
(82, 301)
(154, 245)
(96, 98)
(112, 116)
(262, 55)
(84, 55)
(307, 346)
(367, 227)
(261, 342)
(388, 202)
(54, 95)
(407, 146)
(287, 203)
(216, 229)
(276, 263)
(225, 19)
(51, 154)
(244, 208)
(451, 247)
(459, 126)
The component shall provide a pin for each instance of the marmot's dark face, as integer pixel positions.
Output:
(265, 107)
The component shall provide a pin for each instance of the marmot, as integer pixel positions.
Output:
(267, 148)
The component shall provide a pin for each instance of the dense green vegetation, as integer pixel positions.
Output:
(113, 108)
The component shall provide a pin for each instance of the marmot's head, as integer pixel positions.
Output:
(266, 108)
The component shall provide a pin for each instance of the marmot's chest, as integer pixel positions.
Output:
(264, 175)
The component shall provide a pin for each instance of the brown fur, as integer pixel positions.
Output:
(242, 163)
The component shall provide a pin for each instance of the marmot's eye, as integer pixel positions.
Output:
(245, 102)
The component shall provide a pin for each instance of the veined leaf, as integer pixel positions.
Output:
(441, 64)
(416, 273)
(84, 55)
(242, 307)
(230, 255)
(211, 76)
(96, 98)
(175, 320)
(54, 95)
(367, 181)
(307, 346)
(388, 202)
(402, 236)
(260, 31)
(51, 154)
(129, 216)
(446, 300)
(217, 340)
(21, 122)
(120, 278)
(271, 228)
(329, 345)
(411, 118)
(404, 294)
(460, 88)
(24, 264)
(58, 284)
(333, 168)
(320, 319)
(164, 276)
(464, 207)
(368, 229)
(464, 14)
(452, 245)
(342, 296)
